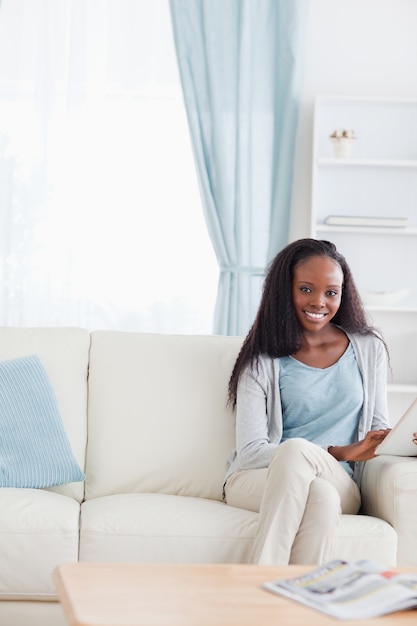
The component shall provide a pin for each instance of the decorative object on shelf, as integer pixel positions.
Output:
(365, 220)
(383, 298)
(342, 141)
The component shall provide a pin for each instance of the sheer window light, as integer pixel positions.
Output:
(101, 216)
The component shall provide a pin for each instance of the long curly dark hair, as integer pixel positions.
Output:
(276, 330)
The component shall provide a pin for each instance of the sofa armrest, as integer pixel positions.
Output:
(389, 491)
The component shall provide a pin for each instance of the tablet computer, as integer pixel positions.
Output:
(399, 441)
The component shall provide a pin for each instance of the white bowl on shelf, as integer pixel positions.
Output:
(383, 298)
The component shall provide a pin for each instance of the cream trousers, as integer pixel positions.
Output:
(299, 498)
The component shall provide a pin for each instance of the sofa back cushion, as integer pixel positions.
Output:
(158, 420)
(63, 354)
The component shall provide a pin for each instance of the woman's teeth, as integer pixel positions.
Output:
(316, 316)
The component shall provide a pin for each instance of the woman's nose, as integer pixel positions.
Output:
(318, 301)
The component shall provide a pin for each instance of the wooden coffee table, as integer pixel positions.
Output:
(108, 594)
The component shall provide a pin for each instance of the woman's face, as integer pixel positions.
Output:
(317, 291)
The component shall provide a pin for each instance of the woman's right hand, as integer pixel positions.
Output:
(361, 450)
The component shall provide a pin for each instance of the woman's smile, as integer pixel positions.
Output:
(316, 316)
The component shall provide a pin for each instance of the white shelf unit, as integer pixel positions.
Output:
(378, 180)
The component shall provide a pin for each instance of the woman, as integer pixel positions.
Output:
(309, 386)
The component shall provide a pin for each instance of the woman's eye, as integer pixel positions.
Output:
(306, 289)
(332, 293)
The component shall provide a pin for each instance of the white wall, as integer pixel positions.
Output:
(353, 47)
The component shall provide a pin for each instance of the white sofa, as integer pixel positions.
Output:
(147, 420)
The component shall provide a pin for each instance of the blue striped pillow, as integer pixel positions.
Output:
(34, 448)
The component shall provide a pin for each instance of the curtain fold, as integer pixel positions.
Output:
(240, 64)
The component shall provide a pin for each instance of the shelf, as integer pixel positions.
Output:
(366, 230)
(341, 100)
(405, 389)
(388, 163)
(394, 308)
(378, 180)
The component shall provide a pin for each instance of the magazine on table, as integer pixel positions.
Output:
(346, 590)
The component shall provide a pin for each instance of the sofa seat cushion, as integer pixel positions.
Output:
(365, 537)
(160, 528)
(38, 530)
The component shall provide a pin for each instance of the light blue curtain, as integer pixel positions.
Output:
(240, 63)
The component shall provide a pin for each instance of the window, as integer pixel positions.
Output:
(101, 218)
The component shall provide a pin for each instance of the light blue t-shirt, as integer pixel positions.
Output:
(322, 405)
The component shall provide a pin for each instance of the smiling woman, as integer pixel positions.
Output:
(102, 224)
(309, 386)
